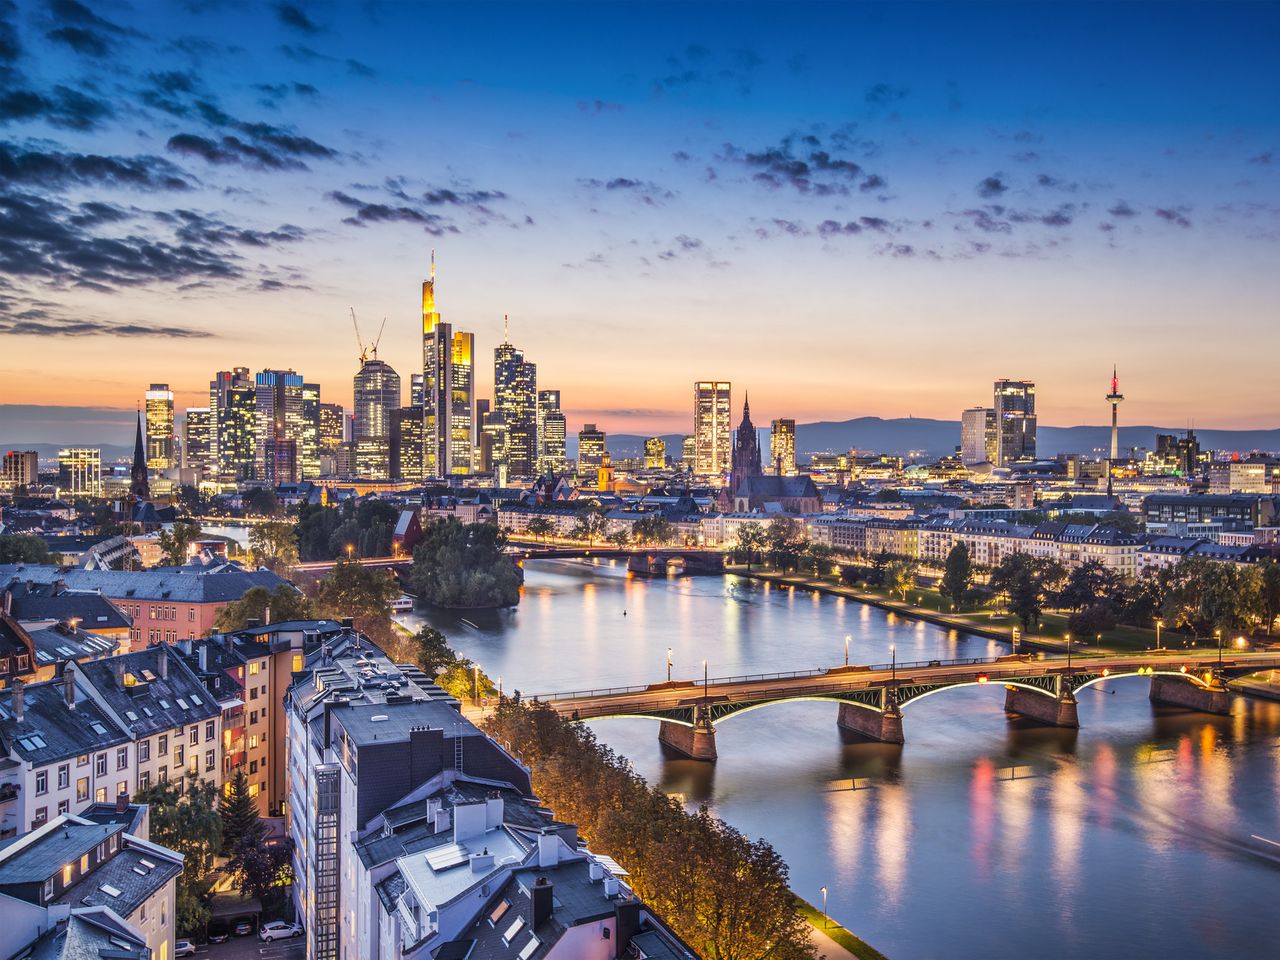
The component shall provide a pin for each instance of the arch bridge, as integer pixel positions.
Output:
(642, 561)
(871, 699)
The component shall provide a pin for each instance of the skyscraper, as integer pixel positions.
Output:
(462, 393)
(448, 389)
(978, 436)
(233, 406)
(1114, 398)
(552, 431)
(407, 443)
(591, 451)
(377, 395)
(782, 447)
(199, 446)
(278, 426)
(711, 428)
(415, 389)
(1015, 416)
(655, 453)
(515, 397)
(21, 469)
(330, 433)
(160, 427)
(310, 431)
(80, 471)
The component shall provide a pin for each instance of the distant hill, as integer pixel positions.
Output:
(48, 452)
(938, 437)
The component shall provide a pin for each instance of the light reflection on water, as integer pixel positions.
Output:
(982, 836)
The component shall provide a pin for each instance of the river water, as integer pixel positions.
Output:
(1135, 836)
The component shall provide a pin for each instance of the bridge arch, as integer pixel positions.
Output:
(904, 702)
(1194, 678)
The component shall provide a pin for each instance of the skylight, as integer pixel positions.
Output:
(97, 726)
(109, 890)
(131, 715)
(450, 855)
(529, 948)
(499, 912)
(512, 930)
(182, 703)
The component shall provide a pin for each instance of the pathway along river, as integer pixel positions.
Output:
(981, 837)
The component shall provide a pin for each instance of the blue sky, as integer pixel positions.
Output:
(849, 209)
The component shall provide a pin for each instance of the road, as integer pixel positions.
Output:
(251, 948)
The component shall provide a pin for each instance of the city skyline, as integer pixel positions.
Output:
(881, 192)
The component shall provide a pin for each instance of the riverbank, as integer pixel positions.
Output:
(831, 940)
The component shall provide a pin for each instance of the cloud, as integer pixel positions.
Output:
(32, 324)
(367, 212)
(987, 220)
(61, 107)
(296, 18)
(599, 106)
(193, 227)
(1174, 215)
(419, 208)
(687, 242)
(83, 30)
(646, 191)
(305, 54)
(1122, 209)
(991, 186)
(266, 147)
(806, 164)
(882, 94)
(32, 166)
(833, 228)
(1263, 159)
(699, 67)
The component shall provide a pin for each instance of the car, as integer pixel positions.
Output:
(219, 933)
(279, 930)
(184, 948)
(243, 928)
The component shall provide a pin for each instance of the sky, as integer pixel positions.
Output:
(846, 209)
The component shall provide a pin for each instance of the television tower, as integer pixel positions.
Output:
(1114, 398)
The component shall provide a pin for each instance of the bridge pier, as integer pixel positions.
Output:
(1175, 692)
(697, 742)
(1059, 711)
(883, 725)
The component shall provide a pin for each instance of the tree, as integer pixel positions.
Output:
(1087, 584)
(1269, 592)
(820, 558)
(263, 871)
(285, 602)
(363, 593)
(274, 545)
(23, 548)
(187, 822)
(591, 526)
(654, 528)
(454, 673)
(1092, 620)
(540, 527)
(241, 824)
(464, 565)
(261, 502)
(901, 575)
(431, 651)
(750, 541)
(620, 537)
(1024, 597)
(315, 530)
(785, 539)
(957, 578)
(175, 543)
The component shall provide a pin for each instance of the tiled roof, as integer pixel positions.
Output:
(90, 935)
(127, 872)
(49, 601)
(216, 583)
(60, 844)
(152, 701)
(49, 731)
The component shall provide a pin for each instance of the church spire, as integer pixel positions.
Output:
(138, 485)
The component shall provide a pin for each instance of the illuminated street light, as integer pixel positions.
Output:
(1218, 636)
(825, 921)
(847, 638)
(1159, 624)
(893, 663)
(668, 664)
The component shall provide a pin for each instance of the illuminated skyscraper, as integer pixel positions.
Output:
(278, 426)
(21, 469)
(199, 446)
(551, 432)
(655, 453)
(978, 436)
(415, 390)
(330, 432)
(591, 451)
(782, 448)
(310, 431)
(406, 443)
(515, 392)
(233, 405)
(377, 395)
(1015, 421)
(80, 471)
(448, 389)
(711, 429)
(160, 427)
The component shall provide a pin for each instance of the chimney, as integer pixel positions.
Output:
(8, 602)
(69, 684)
(548, 850)
(626, 922)
(18, 702)
(203, 654)
(540, 898)
(266, 615)
(122, 802)
(117, 667)
(162, 661)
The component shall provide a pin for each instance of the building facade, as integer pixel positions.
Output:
(80, 471)
(782, 447)
(160, 435)
(1014, 410)
(711, 427)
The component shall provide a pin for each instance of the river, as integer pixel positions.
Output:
(981, 837)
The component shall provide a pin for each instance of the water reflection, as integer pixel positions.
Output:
(982, 835)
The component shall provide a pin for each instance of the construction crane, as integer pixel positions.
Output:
(365, 348)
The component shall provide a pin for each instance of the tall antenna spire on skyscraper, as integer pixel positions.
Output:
(433, 264)
(506, 330)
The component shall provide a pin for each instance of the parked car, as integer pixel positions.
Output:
(184, 948)
(219, 932)
(279, 930)
(243, 928)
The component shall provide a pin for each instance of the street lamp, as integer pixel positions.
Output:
(1218, 635)
(1159, 624)
(1068, 651)
(825, 921)
(847, 638)
(893, 662)
(704, 680)
(351, 547)
(668, 664)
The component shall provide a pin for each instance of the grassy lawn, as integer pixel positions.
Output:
(859, 948)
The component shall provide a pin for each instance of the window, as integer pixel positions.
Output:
(253, 789)
(82, 790)
(64, 776)
(209, 761)
(64, 806)
(195, 763)
(48, 890)
(253, 742)
(82, 761)
(253, 716)
(42, 782)
(100, 795)
(23, 660)
(144, 780)
(253, 668)
(122, 788)
(253, 766)
(191, 614)
(122, 757)
(144, 750)
(164, 745)
(42, 816)
(100, 766)
(152, 611)
(208, 730)
(66, 875)
(178, 753)
(84, 864)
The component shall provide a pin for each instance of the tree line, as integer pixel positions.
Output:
(726, 895)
